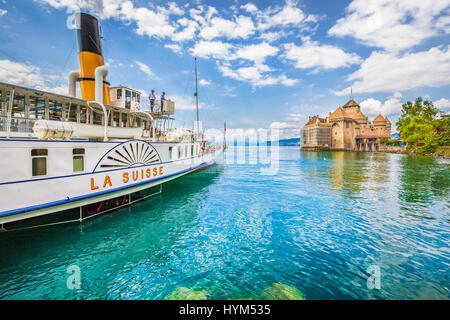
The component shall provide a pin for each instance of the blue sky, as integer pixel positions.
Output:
(261, 63)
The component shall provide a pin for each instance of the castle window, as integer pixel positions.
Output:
(39, 162)
(119, 94)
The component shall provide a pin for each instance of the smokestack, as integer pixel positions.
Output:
(90, 55)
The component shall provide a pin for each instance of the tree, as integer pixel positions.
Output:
(420, 127)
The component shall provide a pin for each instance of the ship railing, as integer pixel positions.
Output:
(16, 124)
(20, 107)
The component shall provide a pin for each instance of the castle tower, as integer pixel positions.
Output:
(351, 108)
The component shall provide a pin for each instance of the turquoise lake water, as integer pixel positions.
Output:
(315, 223)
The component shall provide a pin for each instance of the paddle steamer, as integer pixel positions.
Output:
(66, 159)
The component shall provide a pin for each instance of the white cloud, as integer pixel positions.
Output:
(29, 76)
(187, 103)
(146, 69)
(271, 36)
(287, 15)
(3, 12)
(442, 104)
(285, 130)
(213, 29)
(212, 49)
(391, 24)
(204, 82)
(255, 75)
(257, 52)
(174, 47)
(149, 22)
(188, 33)
(250, 7)
(443, 23)
(297, 117)
(281, 125)
(388, 72)
(172, 9)
(239, 27)
(375, 107)
(20, 74)
(311, 54)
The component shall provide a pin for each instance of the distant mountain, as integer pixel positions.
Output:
(281, 142)
(395, 136)
(287, 142)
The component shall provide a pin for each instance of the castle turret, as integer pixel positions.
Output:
(351, 108)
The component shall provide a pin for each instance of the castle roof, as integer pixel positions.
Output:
(339, 113)
(351, 103)
(387, 120)
(379, 118)
(359, 116)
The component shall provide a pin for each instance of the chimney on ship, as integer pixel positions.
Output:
(91, 60)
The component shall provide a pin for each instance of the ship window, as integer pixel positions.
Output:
(37, 108)
(116, 119)
(55, 110)
(83, 113)
(170, 153)
(18, 109)
(98, 118)
(119, 94)
(127, 99)
(73, 112)
(179, 152)
(39, 162)
(78, 160)
(192, 150)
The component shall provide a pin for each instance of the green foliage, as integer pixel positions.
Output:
(420, 127)
(388, 142)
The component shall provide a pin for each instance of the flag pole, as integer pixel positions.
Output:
(196, 97)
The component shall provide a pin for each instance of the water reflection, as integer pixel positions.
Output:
(423, 180)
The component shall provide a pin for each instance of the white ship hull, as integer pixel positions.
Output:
(111, 170)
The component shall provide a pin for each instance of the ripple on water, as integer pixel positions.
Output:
(233, 233)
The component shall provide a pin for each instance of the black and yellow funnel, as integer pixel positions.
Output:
(90, 55)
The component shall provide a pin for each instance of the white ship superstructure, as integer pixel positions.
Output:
(64, 158)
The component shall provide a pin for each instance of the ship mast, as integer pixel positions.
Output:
(196, 97)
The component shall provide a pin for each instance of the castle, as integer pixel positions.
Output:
(347, 128)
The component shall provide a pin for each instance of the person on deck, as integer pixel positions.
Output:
(152, 99)
(163, 97)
